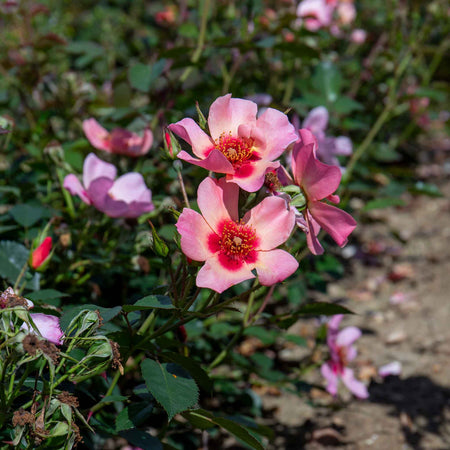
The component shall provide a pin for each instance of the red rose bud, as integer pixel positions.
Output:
(181, 334)
(41, 253)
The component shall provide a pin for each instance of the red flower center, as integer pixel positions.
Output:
(236, 244)
(237, 150)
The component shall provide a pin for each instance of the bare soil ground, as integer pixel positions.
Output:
(400, 290)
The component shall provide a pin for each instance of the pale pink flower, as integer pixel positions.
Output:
(346, 12)
(318, 182)
(358, 36)
(47, 326)
(240, 145)
(315, 14)
(233, 248)
(328, 146)
(128, 196)
(118, 141)
(342, 351)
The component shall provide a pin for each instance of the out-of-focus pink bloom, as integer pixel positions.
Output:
(315, 14)
(9, 6)
(241, 146)
(328, 147)
(393, 368)
(346, 12)
(318, 182)
(118, 141)
(40, 255)
(128, 196)
(342, 351)
(233, 248)
(358, 36)
(47, 326)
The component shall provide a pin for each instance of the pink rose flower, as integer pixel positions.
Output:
(315, 14)
(41, 253)
(328, 147)
(233, 248)
(118, 141)
(128, 196)
(342, 351)
(47, 326)
(241, 146)
(318, 182)
(358, 36)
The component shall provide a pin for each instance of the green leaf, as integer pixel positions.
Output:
(123, 422)
(142, 439)
(194, 369)
(328, 80)
(13, 257)
(299, 340)
(345, 105)
(200, 416)
(27, 215)
(172, 387)
(106, 313)
(426, 189)
(381, 203)
(140, 77)
(150, 302)
(113, 398)
(45, 295)
(267, 337)
(323, 309)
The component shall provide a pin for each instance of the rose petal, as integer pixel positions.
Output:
(74, 186)
(94, 168)
(226, 114)
(348, 336)
(188, 130)
(97, 135)
(330, 377)
(317, 120)
(272, 221)
(353, 385)
(274, 266)
(195, 233)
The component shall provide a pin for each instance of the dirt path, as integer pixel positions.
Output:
(400, 289)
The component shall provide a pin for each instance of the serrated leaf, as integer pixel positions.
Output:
(123, 422)
(194, 369)
(172, 387)
(150, 302)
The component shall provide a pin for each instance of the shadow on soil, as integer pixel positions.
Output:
(423, 405)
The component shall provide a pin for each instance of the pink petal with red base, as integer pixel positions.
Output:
(226, 114)
(274, 266)
(188, 130)
(311, 236)
(97, 135)
(195, 234)
(337, 223)
(272, 221)
(218, 201)
(250, 177)
(215, 276)
(215, 161)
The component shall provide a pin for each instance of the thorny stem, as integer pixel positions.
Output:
(183, 188)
